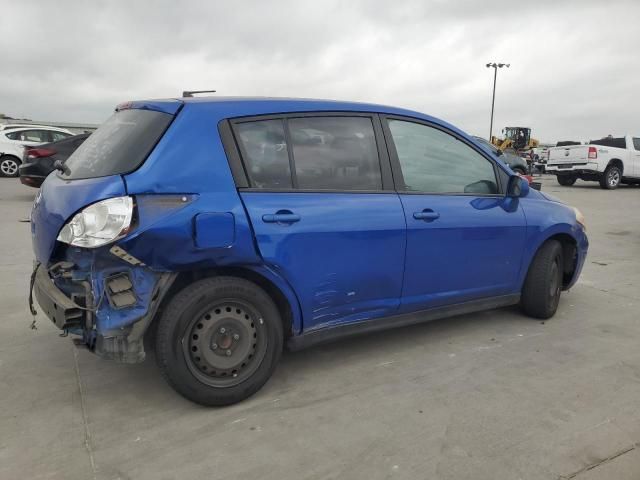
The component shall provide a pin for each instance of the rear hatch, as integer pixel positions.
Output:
(95, 170)
(570, 154)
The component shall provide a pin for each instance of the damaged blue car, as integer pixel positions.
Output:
(220, 230)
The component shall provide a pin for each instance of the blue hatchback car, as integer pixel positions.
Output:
(221, 229)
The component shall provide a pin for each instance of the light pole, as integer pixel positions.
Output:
(495, 67)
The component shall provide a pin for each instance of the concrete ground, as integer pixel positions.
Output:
(486, 396)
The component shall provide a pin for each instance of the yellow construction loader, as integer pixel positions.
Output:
(516, 139)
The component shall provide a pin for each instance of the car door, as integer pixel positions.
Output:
(635, 157)
(324, 212)
(464, 237)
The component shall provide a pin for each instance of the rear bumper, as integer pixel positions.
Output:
(61, 310)
(589, 168)
(91, 298)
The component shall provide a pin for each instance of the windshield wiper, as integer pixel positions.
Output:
(58, 165)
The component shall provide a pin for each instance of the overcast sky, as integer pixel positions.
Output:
(575, 68)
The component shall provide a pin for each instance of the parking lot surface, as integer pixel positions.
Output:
(494, 395)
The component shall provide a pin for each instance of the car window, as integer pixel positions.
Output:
(265, 154)
(619, 142)
(335, 153)
(433, 161)
(41, 136)
(58, 136)
(119, 146)
(636, 143)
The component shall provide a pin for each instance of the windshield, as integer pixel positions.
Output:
(119, 146)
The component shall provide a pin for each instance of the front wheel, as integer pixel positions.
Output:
(566, 180)
(542, 287)
(219, 340)
(611, 178)
(9, 166)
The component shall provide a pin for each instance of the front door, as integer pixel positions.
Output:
(464, 237)
(324, 215)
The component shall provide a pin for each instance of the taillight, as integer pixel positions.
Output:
(593, 152)
(40, 152)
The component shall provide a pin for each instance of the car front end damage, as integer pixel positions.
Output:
(104, 296)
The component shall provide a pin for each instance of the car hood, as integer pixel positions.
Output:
(551, 198)
(59, 199)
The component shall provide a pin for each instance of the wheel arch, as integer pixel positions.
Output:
(616, 162)
(569, 254)
(277, 288)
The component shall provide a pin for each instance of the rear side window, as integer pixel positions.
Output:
(55, 136)
(610, 142)
(335, 153)
(119, 146)
(326, 153)
(636, 143)
(41, 136)
(265, 154)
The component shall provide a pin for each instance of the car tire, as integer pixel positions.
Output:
(542, 287)
(219, 340)
(9, 166)
(566, 180)
(611, 178)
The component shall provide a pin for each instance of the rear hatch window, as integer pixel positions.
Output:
(119, 146)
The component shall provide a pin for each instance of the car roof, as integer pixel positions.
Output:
(228, 107)
(35, 127)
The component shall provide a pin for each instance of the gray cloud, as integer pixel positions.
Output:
(573, 75)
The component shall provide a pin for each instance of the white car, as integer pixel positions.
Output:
(14, 139)
(610, 161)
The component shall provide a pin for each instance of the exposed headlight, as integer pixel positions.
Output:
(580, 218)
(99, 224)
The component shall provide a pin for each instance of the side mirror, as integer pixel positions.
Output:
(517, 187)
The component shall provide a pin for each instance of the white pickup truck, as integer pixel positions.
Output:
(610, 161)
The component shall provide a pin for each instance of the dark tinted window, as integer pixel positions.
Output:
(610, 142)
(636, 143)
(264, 151)
(335, 153)
(433, 161)
(120, 145)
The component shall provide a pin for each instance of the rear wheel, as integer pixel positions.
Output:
(542, 287)
(9, 166)
(566, 180)
(611, 178)
(219, 340)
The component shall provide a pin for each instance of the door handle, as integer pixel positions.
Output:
(427, 215)
(281, 216)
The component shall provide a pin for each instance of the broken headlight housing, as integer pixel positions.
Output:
(99, 224)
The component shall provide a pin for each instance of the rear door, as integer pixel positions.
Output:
(324, 212)
(464, 237)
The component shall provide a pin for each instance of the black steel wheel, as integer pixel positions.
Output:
(225, 345)
(219, 340)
